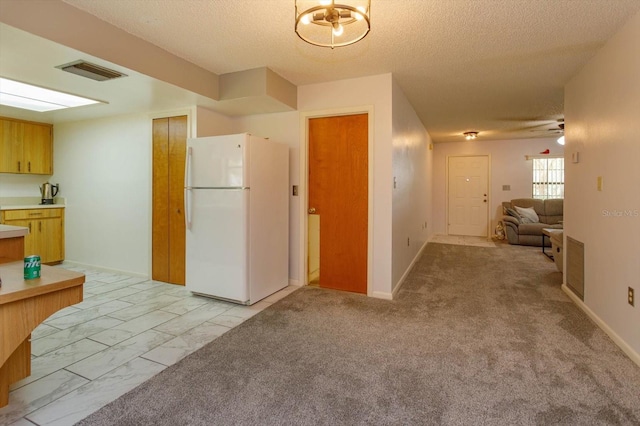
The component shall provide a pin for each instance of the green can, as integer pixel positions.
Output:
(31, 267)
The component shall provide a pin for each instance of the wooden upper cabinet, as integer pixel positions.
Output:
(26, 147)
(11, 137)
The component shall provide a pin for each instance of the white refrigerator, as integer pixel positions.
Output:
(237, 213)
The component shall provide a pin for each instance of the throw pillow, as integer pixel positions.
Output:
(528, 214)
(511, 212)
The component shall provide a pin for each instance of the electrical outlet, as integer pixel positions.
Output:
(631, 298)
(408, 244)
(599, 183)
(295, 190)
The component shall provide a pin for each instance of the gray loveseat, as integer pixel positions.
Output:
(549, 212)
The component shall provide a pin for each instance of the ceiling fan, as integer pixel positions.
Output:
(557, 130)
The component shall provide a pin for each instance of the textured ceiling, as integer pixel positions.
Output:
(495, 66)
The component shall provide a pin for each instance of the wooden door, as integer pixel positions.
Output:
(468, 195)
(168, 228)
(38, 149)
(338, 191)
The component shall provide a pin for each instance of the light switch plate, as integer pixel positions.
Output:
(575, 157)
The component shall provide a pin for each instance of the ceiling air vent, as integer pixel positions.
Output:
(92, 71)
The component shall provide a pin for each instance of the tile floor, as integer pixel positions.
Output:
(126, 330)
(463, 240)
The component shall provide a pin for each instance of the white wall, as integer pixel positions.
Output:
(375, 91)
(602, 110)
(412, 170)
(285, 128)
(104, 170)
(14, 185)
(508, 167)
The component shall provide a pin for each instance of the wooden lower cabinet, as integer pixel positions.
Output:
(46, 231)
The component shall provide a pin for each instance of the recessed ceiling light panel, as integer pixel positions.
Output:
(26, 96)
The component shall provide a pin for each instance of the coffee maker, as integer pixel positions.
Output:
(48, 192)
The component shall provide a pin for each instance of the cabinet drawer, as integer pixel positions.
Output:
(31, 214)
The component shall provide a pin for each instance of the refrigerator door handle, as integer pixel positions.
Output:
(187, 206)
(187, 174)
(187, 188)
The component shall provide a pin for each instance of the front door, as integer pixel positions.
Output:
(468, 195)
(338, 200)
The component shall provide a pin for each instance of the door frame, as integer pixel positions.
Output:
(446, 183)
(191, 131)
(305, 116)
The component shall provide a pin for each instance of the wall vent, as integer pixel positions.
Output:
(92, 71)
(575, 266)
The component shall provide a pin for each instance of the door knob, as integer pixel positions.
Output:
(312, 210)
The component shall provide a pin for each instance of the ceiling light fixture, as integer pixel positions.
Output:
(327, 24)
(561, 140)
(21, 95)
(470, 135)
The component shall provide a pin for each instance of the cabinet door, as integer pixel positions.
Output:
(11, 137)
(37, 149)
(32, 239)
(50, 233)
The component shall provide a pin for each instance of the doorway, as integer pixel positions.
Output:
(168, 223)
(338, 203)
(468, 196)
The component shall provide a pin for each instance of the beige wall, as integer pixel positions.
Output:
(412, 170)
(602, 110)
(375, 93)
(508, 167)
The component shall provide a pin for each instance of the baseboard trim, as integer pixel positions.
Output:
(628, 350)
(404, 276)
(294, 282)
(103, 269)
(382, 295)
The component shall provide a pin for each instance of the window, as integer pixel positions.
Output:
(548, 178)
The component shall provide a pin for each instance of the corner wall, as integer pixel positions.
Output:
(413, 175)
(602, 110)
(104, 170)
(508, 167)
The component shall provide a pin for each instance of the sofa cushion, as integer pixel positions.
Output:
(532, 228)
(511, 212)
(538, 205)
(553, 211)
(528, 214)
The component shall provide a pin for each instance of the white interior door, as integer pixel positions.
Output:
(468, 179)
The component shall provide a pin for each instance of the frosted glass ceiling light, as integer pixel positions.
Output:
(34, 98)
(561, 140)
(328, 24)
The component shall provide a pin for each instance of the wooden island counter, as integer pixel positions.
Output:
(24, 304)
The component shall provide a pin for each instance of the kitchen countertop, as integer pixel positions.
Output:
(23, 203)
(32, 206)
(8, 231)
